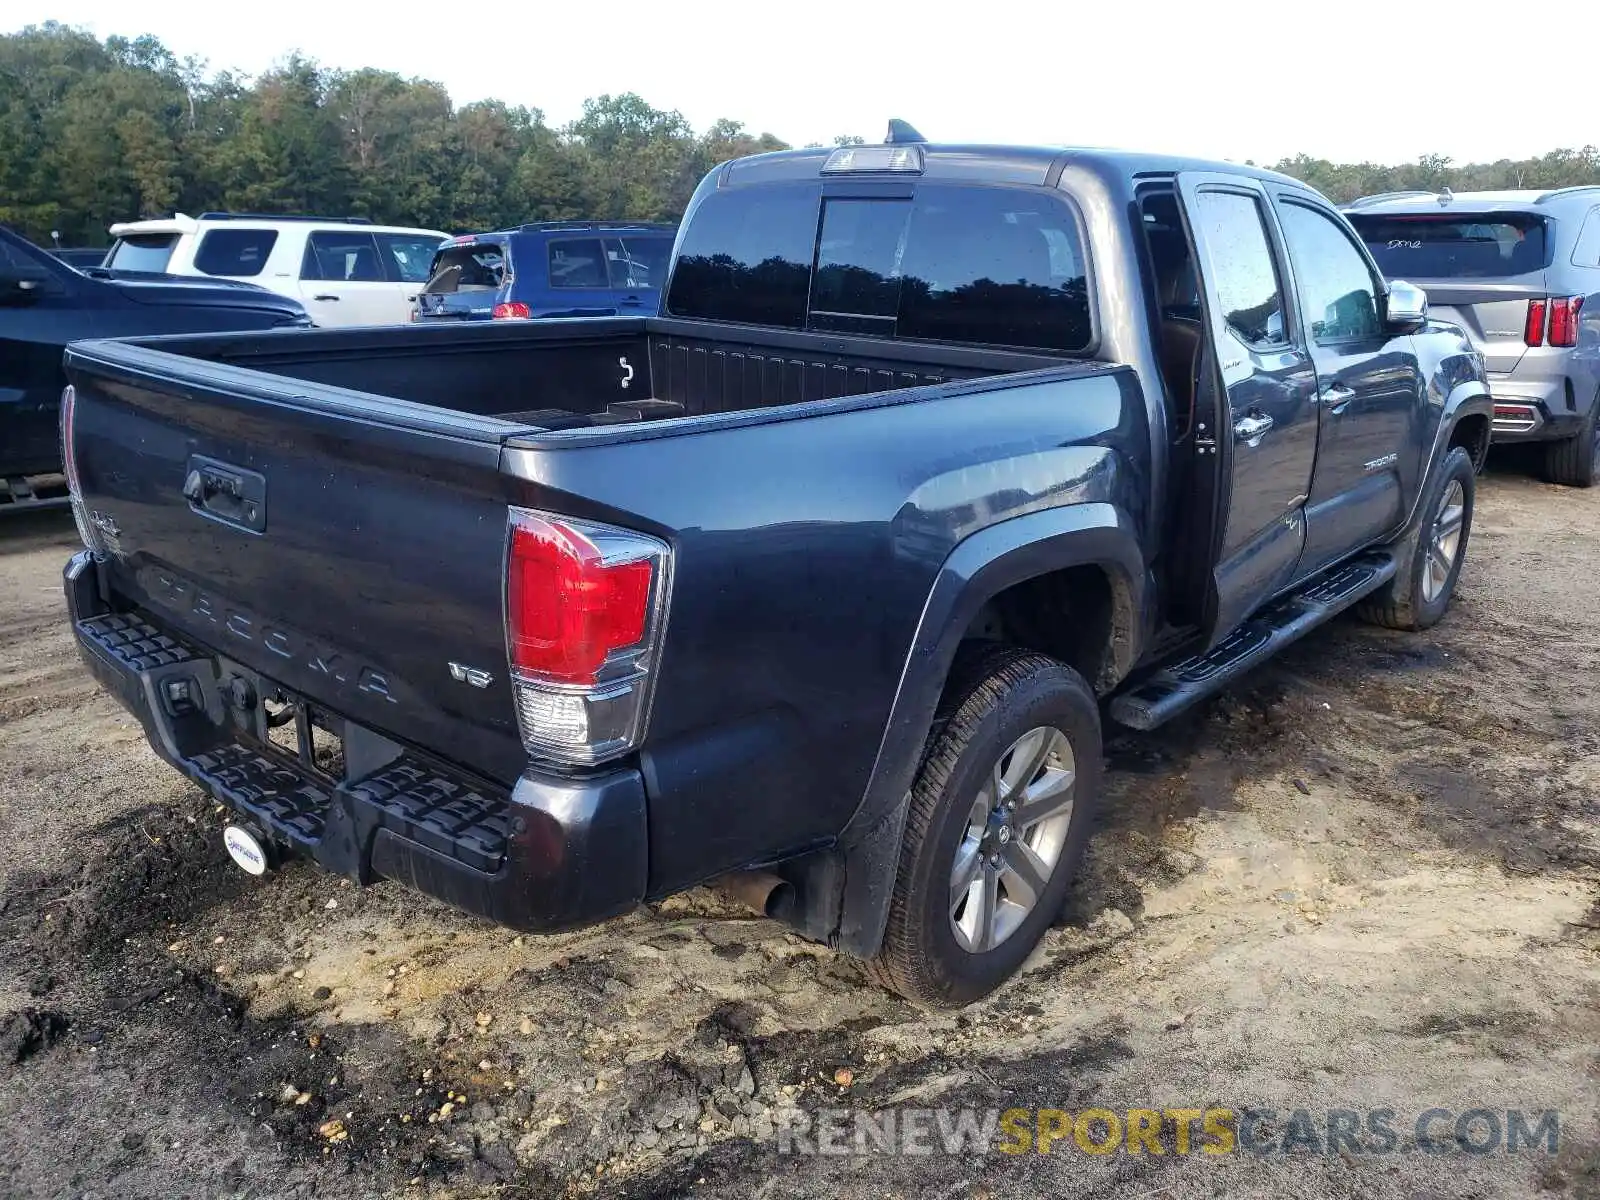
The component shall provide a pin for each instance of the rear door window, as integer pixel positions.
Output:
(142, 252)
(578, 263)
(469, 267)
(342, 257)
(240, 253)
(1245, 275)
(407, 256)
(1455, 245)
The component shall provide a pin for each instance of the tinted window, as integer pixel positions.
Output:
(746, 256)
(577, 263)
(638, 261)
(1245, 279)
(477, 267)
(234, 251)
(859, 256)
(142, 252)
(342, 257)
(996, 266)
(409, 255)
(1336, 289)
(1454, 245)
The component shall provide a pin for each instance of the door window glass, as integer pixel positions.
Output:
(1336, 288)
(1244, 277)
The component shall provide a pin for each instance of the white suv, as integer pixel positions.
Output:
(346, 271)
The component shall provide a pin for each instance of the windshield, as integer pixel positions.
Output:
(142, 252)
(1455, 245)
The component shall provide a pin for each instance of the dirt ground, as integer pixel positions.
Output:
(1369, 877)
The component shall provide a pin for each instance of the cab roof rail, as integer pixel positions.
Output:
(256, 216)
(545, 226)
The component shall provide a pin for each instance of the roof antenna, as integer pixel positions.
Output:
(901, 131)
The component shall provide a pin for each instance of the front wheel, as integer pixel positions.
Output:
(1417, 597)
(998, 818)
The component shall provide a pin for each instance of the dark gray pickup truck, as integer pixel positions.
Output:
(819, 582)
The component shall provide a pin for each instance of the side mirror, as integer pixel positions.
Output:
(21, 283)
(1406, 307)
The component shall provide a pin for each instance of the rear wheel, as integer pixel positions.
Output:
(1420, 592)
(998, 819)
(1575, 461)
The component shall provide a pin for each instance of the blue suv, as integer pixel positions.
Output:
(549, 269)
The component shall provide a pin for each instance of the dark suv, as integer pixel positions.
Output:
(549, 269)
(1520, 273)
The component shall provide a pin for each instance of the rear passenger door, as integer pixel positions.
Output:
(342, 280)
(1268, 444)
(1369, 388)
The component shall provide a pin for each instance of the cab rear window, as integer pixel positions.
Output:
(1455, 245)
(986, 266)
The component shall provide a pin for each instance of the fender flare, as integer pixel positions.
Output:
(979, 568)
(1468, 398)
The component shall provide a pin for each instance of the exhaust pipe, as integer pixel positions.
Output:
(761, 890)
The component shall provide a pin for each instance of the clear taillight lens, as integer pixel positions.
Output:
(585, 608)
(69, 466)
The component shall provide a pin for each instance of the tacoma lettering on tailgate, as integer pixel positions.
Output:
(187, 599)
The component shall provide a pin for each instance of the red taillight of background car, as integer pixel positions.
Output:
(585, 607)
(1564, 320)
(1533, 331)
(516, 310)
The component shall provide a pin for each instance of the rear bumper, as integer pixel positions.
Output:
(549, 853)
(1534, 409)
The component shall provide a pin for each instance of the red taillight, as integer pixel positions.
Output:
(567, 610)
(1533, 331)
(1564, 320)
(514, 311)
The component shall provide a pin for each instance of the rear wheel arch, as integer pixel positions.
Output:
(997, 580)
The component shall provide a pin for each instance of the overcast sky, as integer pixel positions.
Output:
(1384, 82)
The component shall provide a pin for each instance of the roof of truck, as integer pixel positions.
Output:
(1509, 200)
(996, 163)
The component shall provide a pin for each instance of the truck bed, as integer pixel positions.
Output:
(569, 374)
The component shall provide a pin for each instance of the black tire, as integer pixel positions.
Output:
(1575, 461)
(996, 698)
(1404, 602)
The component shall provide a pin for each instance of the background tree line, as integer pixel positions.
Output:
(93, 132)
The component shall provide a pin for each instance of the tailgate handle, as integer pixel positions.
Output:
(226, 493)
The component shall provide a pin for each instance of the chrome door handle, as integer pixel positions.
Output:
(1250, 428)
(1336, 396)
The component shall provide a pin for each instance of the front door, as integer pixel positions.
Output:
(1269, 443)
(1368, 385)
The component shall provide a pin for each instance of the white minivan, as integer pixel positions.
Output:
(345, 270)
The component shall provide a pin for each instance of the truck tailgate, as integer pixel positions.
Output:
(348, 548)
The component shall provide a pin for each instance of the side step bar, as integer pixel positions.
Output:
(22, 493)
(1185, 683)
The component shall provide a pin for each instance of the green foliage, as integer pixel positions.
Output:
(1343, 182)
(92, 133)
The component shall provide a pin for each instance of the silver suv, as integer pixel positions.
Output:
(1520, 273)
